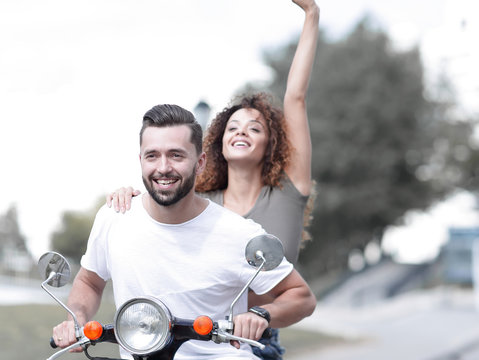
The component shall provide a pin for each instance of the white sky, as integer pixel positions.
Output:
(77, 76)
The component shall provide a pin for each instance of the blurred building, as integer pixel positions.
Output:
(15, 262)
(458, 255)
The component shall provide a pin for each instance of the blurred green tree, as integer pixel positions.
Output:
(15, 257)
(382, 144)
(10, 234)
(71, 238)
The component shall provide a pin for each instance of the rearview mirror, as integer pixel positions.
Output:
(267, 247)
(55, 267)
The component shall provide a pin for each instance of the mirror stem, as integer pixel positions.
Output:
(52, 276)
(259, 255)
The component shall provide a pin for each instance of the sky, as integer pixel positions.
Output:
(76, 78)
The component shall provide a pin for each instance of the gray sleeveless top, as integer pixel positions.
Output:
(280, 212)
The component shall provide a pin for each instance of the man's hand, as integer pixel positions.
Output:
(83, 301)
(64, 335)
(249, 326)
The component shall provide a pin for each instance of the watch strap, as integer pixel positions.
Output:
(258, 310)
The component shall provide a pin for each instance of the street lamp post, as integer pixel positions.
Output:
(202, 113)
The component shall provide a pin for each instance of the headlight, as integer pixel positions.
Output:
(142, 325)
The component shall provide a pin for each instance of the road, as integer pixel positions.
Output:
(438, 324)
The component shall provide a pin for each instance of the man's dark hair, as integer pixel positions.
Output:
(173, 115)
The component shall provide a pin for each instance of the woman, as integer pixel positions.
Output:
(259, 157)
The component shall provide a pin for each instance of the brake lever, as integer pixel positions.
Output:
(82, 342)
(230, 337)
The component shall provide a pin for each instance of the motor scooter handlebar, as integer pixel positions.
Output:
(223, 333)
(54, 345)
(263, 252)
(229, 337)
(80, 343)
(107, 335)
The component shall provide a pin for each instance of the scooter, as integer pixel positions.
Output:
(144, 326)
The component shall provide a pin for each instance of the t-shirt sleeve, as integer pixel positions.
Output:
(95, 257)
(267, 280)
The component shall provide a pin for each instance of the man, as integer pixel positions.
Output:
(181, 248)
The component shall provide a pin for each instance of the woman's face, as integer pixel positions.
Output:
(246, 136)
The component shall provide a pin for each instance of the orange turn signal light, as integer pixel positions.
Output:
(203, 325)
(93, 330)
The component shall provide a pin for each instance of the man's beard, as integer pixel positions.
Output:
(168, 197)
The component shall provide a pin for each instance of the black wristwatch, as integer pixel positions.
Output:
(261, 312)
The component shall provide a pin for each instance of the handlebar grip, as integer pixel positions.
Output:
(267, 334)
(52, 343)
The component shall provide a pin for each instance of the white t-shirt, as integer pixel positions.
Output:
(195, 268)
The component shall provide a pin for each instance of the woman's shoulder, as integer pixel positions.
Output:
(287, 188)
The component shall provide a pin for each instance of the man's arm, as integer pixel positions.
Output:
(84, 300)
(291, 301)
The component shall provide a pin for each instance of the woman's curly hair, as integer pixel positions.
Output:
(278, 150)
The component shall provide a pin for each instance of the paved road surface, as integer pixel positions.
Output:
(439, 324)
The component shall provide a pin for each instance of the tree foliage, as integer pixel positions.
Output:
(71, 238)
(380, 145)
(10, 234)
(15, 256)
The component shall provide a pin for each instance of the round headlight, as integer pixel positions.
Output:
(142, 325)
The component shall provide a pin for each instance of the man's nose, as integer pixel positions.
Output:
(163, 165)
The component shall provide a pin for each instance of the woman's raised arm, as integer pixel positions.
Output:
(299, 168)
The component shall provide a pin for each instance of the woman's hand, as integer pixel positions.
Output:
(306, 5)
(121, 198)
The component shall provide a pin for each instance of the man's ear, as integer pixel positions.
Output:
(201, 164)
